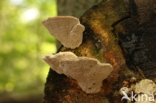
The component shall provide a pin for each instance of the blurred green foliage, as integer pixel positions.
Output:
(23, 43)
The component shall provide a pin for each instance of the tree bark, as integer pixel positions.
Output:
(119, 32)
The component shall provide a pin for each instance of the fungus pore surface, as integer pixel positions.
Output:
(66, 29)
(88, 72)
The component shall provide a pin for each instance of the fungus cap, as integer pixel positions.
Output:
(88, 72)
(66, 29)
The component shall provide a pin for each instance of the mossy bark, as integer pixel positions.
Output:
(117, 32)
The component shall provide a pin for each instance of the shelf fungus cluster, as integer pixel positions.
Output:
(88, 72)
(66, 29)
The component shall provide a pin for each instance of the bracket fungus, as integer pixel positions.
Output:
(66, 29)
(88, 72)
(145, 86)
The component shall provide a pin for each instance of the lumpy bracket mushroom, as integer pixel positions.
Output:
(88, 72)
(66, 29)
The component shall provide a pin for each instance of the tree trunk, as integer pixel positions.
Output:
(119, 32)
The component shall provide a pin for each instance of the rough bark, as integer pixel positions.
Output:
(118, 32)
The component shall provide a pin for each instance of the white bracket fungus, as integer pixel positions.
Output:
(88, 72)
(145, 86)
(66, 29)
